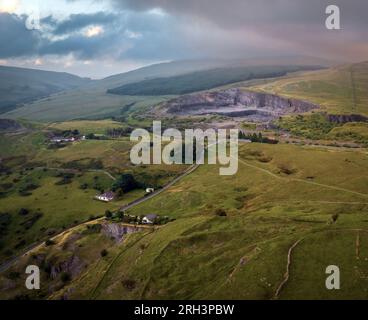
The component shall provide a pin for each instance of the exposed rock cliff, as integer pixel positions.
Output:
(117, 231)
(237, 103)
(345, 118)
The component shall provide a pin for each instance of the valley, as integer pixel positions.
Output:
(298, 203)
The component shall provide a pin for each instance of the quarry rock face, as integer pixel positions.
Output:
(237, 103)
(117, 231)
(73, 265)
(346, 118)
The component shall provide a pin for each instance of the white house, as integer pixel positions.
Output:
(63, 139)
(149, 219)
(106, 197)
(150, 190)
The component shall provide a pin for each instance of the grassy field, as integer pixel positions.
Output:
(281, 195)
(32, 177)
(83, 103)
(353, 131)
(86, 126)
(338, 90)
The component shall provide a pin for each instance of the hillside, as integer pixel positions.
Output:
(340, 90)
(203, 80)
(93, 101)
(283, 199)
(19, 85)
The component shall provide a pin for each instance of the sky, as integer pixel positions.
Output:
(98, 38)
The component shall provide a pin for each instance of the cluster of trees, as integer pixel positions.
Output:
(119, 132)
(70, 133)
(25, 190)
(92, 136)
(66, 133)
(315, 126)
(254, 137)
(5, 220)
(125, 183)
(126, 218)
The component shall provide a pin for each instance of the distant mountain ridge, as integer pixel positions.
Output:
(90, 100)
(21, 85)
(204, 80)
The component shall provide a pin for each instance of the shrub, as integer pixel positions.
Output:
(65, 277)
(287, 170)
(126, 182)
(104, 253)
(83, 186)
(28, 223)
(108, 214)
(221, 213)
(49, 243)
(129, 284)
(20, 244)
(92, 229)
(335, 216)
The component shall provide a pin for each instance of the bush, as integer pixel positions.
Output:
(23, 212)
(83, 186)
(28, 223)
(65, 277)
(20, 244)
(221, 213)
(287, 170)
(129, 284)
(108, 214)
(126, 182)
(104, 253)
(49, 243)
(93, 229)
(335, 216)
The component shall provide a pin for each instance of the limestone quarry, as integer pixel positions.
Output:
(236, 103)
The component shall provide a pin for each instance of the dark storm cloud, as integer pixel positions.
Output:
(128, 35)
(76, 22)
(195, 28)
(15, 39)
(235, 13)
(125, 35)
(280, 25)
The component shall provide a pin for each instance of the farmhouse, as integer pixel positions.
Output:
(149, 219)
(62, 139)
(106, 197)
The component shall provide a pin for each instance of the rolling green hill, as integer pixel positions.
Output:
(92, 101)
(19, 85)
(270, 215)
(340, 90)
(203, 80)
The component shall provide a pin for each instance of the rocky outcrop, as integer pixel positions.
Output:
(9, 125)
(237, 103)
(345, 118)
(117, 231)
(73, 266)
